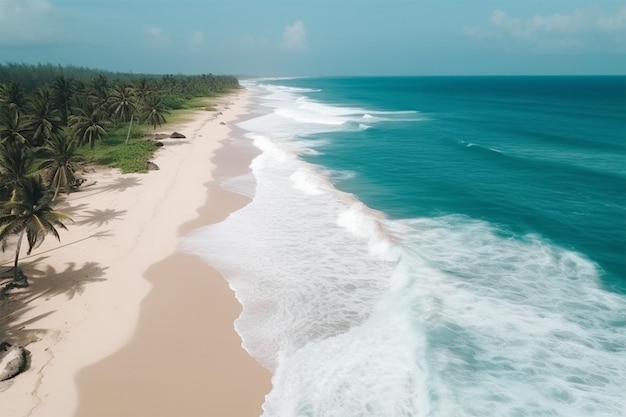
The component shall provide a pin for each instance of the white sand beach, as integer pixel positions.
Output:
(118, 322)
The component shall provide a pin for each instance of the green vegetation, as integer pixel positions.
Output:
(29, 212)
(113, 152)
(53, 119)
(60, 163)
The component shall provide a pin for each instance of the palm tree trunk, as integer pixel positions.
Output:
(17, 256)
(56, 190)
(92, 144)
(55, 179)
(129, 127)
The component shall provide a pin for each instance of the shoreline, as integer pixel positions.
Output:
(88, 292)
(216, 373)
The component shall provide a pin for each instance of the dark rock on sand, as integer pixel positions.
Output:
(177, 135)
(152, 166)
(13, 360)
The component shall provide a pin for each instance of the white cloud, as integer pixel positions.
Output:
(577, 29)
(474, 32)
(294, 36)
(157, 36)
(293, 39)
(197, 38)
(28, 22)
(616, 22)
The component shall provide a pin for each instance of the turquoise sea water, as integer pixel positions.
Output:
(433, 246)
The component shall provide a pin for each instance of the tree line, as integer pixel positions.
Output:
(48, 112)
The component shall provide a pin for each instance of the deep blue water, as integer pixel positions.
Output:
(542, 155)
(433, 246)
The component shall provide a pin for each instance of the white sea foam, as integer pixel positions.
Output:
(291, 294)
(366, 223)
(339, 175)
(519, 324)
(308, 180)
(266, 145)
(244, 184)
(360, 315)
(303, 116)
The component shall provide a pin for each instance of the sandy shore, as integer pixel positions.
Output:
(118, 322)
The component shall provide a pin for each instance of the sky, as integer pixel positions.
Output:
(319, 37)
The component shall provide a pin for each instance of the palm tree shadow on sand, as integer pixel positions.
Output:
(100, 217)
(48, 282)
(120, 184)
(98, 235)
(71, 210)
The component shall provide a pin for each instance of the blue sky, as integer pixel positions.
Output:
(319, 37)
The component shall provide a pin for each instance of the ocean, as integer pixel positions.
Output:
(432, 246)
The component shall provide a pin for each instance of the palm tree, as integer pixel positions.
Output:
(61, 162)
(155, 110)
(15, 163)
(143, 90)
(88, 125)
(168, 84)
(12, 128)
(63, 90)
(122, 106)
(12, 95)
(29, 212)
(43, 118)
(99, 88)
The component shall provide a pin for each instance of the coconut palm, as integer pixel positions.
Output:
(15, 164)
(88, 125)
(61, 161)
(143, 90)
(168, 84)
(29, 212)
(98, 89)
(63, 90)
(122, 106)
(12, 95)
(12, 127)
(154, 110)
(43, 118)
